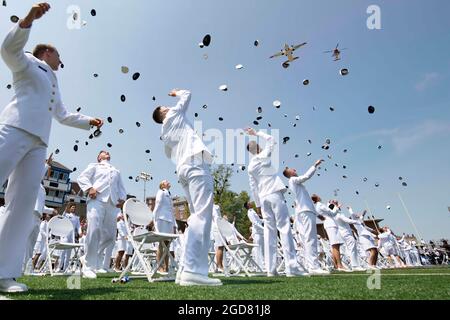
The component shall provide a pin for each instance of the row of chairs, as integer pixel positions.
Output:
(139, 216)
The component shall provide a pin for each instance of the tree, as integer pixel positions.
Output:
(230, 202)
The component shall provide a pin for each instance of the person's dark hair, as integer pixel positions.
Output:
(285, 172)
(246, 206)
(315, 198)
(158, 116)
(98, 160)
(69, 205)
(40, 49)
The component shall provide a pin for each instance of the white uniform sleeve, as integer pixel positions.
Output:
(85, 178)
(256, 222)
(270, 144)
(343, 218)
(122, 191)
(158, 200)
(183, 103)
(325, 211)
(71, 119)
(254, 189)
(12, 49)
(308, 175)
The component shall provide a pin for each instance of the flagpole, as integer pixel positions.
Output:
(373, 219)
(409, 216)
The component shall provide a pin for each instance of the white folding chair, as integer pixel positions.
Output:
(240, 252)
(138, 214)
(61, 227)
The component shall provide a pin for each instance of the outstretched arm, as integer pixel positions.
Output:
(75, 119)
(308, 175)
(254, 190)
(12, 47)
(183, 103)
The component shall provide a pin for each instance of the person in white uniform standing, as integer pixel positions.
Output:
(334, 237)
(192, 158)
(122, 237)
(164, 219)
(24, 134)
(218, 242)
(268, 192)
(70, 213)
(257, 233)
(39, 210)
(346, 232)
(306, 216)
(106, 192)
(365, 237)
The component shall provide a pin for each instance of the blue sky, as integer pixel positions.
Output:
(403, 70)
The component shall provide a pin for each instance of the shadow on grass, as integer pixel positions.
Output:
(88, 293)
(227, 281)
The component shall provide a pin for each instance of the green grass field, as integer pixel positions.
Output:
(417, 283)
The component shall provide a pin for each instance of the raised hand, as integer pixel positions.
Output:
(97, 122)
(36, 12)
(250, 131)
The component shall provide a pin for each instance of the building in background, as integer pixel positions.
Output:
(57, 186)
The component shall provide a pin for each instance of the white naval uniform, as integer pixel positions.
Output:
(122, 234)
(66, 254)
(306, 217)
(163, 212)
(365, 237)
(192, 158)
(346, 232)
(216, 215)
(258, 236)
(268, 192)
(101, 211)
(39, 209)
(329, 224)
(24, 133)
(406, 248)
(386, 241)
(40, 247)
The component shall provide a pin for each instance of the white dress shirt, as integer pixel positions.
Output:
(257, 223)
(42, 231)
(360, 227)
(302, 198)
(105, 179)
(37, 98)
(263, 177)
(164, 206)
(75, 222)
(343, 222)
(328, 214)
(180, 140)
(40, 202)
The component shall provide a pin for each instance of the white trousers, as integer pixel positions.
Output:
(258, 238)
(66, 254)
(197, 183)
(351, 245)
(22, 157)
(276, 216)
(101, 232)
(108, 255)
(307, 228)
